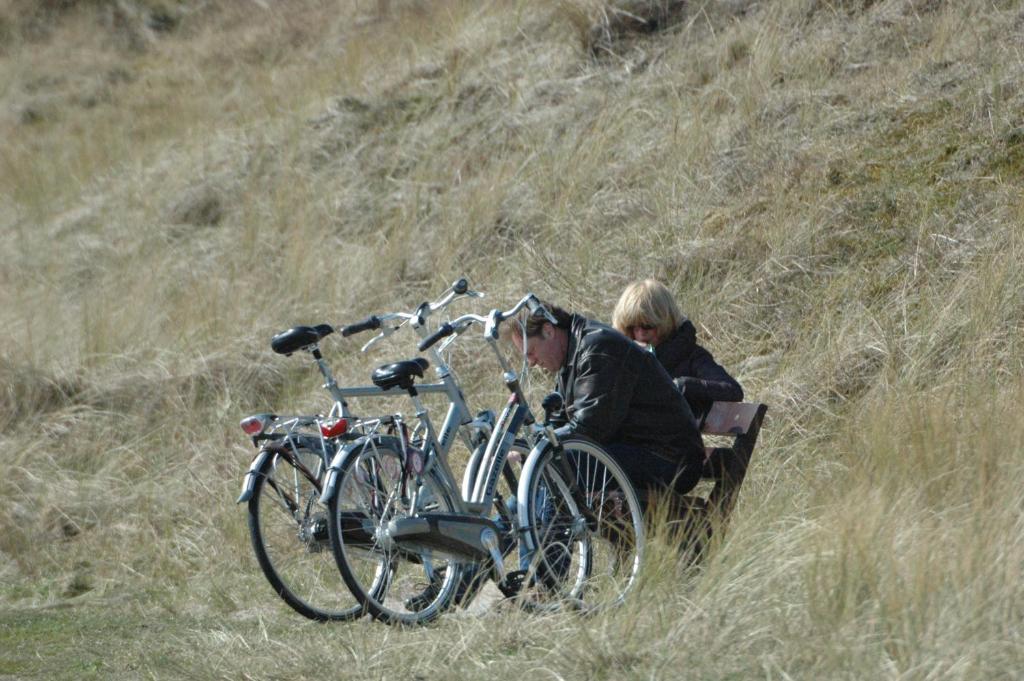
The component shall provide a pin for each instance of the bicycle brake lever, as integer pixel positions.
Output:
(384, 333)
(534, 305)
(444, 345)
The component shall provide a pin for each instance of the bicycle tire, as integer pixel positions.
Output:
(287, 528)
(385, 579)
(585, 527)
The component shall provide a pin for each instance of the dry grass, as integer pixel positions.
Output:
(831, 188)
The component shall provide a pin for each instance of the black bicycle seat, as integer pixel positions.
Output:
(299, 337)
(399, 374)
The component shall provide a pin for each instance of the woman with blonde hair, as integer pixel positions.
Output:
(647, 313)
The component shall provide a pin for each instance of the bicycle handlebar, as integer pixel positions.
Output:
(460, 287)
(491, 321)
(445, 329)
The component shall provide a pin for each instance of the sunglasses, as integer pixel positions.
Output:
(645, 327)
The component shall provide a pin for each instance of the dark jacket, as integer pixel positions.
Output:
(616, 392)
(704, 380)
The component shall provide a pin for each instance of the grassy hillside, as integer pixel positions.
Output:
(831, 187)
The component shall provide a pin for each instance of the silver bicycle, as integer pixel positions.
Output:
(287, 526)
(396, 513)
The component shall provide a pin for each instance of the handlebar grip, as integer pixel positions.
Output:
(460, 286)
(372, 322)
(445, 330)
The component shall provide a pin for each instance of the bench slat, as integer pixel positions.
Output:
(730, 418)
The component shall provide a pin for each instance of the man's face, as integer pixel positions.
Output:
(546, 349)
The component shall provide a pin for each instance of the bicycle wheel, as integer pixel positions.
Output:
(395, 585)
(585, 527)
(288, 528)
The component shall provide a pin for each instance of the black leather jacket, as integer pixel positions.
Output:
(616, 392)
(702, 378)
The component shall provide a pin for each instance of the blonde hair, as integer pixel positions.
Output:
(647, 302)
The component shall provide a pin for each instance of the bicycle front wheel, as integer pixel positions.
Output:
(585, 527)
(396, 585)
(288, 529)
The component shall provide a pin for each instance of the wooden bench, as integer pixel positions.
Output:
(727, 466)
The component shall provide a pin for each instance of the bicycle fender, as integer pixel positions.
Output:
(331, 477)
(249, 481)
(282, 447)
(472, 468)
(529, 470)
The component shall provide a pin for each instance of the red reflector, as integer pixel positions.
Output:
(334, 428)
(253, 425)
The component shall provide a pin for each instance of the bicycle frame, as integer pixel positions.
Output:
(438, 444)
(480, 484)
(477, 491)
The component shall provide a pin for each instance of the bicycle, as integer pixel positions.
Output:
(433, 582)
(285, 478)
(287, 530)
(577, 517)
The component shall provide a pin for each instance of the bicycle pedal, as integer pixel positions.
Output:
(513, 583)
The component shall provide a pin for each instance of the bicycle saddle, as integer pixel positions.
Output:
(299, 337)
(399, 374)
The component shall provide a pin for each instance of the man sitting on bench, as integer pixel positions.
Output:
(617, 394)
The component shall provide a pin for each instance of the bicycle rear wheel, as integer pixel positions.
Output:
(396, 585)
(288, 529)
(585, 527)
